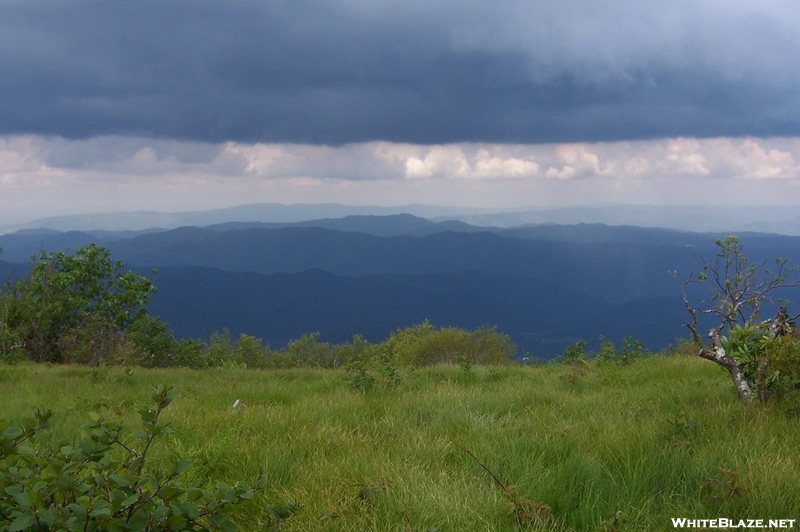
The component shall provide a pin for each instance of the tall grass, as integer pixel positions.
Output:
(660, 438)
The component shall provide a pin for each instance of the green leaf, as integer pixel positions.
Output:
(194, 494)
(227, 526)
(147, 414)
(170, 491)
(12, 433)
(137, 524)
(182, 466)
(22, 522)
(23, 500)
(100, 511)
(78, 510)
(130, 500)
(121, 480)
(176, 522)
(191, 511)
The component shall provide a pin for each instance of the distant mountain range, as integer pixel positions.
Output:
(546, 286)
(706, 218)
(258, 212)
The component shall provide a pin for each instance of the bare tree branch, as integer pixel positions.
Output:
(738, 292)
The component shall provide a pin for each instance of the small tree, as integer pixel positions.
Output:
(69, 302)
(739, 290)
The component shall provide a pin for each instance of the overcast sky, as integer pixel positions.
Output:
(186, 104)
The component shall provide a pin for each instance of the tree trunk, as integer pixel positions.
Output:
(778, 326)
(718, 355)
(780, 323)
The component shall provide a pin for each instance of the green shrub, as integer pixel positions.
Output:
(771, 363)
(357, 351)
(306, 351)
(156, 347)
(575, 353)
(69, 304)
(631, 351)
(250, 353)
(219, 349)
(103, 483)
(608, 351)
(360, 378)
(428, 345)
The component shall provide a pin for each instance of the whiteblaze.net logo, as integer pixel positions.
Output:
(722, 522)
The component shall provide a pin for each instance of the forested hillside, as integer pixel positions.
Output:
(546, 286)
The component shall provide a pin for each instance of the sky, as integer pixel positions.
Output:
(193, 104)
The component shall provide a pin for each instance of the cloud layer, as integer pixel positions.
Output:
(41, 176)
(352, 71)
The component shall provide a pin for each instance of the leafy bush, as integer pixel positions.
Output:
(631, 351)
(357, 351)
(771, 363)
(427, 345)
(308, 351)
(250, 353)
(246, 352)
(72, 308)
(421, 345)
(575, 353)
(220, 348)
(101, 483)
(155, 346)
(10, 342)
(360, 378)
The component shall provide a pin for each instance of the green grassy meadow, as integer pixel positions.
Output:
(657, 439)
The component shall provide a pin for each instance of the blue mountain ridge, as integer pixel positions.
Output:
(545, 285)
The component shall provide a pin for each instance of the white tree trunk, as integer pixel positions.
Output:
(718, 355)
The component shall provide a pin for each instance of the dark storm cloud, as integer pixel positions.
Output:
(434, 72)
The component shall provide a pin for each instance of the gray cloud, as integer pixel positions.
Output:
(315, 71)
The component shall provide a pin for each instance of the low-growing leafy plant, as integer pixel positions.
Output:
(575, 353)
(631, 351)
(280, 514)
(608, 351)
(102, 482)
(721, 489)
(360, 379)
(682, 432)
(390, 377)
